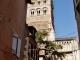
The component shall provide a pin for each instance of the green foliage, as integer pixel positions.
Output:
(51, 47)
(40, 35)
(55, 55)
(60, 55)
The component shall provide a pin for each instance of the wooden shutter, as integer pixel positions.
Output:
(14, 44)
(18, 47)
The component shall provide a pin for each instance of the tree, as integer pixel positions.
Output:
(51, 47)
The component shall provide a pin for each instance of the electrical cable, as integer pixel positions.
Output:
(68, 34)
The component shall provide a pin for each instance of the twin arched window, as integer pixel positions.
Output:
(39, 2)
(44, 1)
(32, 12)
(38, 11)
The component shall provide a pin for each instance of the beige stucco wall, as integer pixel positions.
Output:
(70, 47)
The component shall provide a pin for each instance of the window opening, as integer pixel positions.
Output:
(39, 2)
(32, 13)
(44, 1)
(44, 12)
(16, 44)
(33, 3)
(38, 12)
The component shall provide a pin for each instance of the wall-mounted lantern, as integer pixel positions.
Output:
(42, 52)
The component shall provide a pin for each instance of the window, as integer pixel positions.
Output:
(67, 41)
(39, 2)
(38, 12)
(16, 44)
(44, 1)
(32, 13)
(33, 3)
(44, 11)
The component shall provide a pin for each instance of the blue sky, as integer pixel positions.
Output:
(64, 19)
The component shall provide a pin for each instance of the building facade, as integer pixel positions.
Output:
(12, 27)
(77, 14)
(13, 30)
(69, 47)
(30, 45)
(40, 15)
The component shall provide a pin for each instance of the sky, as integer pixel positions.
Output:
(64, 19)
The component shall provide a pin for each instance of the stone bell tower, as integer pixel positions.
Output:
(40, 15)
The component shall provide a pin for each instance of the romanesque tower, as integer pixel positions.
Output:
(40, 16)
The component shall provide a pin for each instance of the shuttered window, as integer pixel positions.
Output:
(18, 47)
(16, 44)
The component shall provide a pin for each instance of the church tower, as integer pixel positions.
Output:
(40, 15)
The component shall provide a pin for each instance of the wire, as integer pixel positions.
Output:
(68, 34)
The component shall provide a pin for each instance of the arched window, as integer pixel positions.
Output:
(38, 12)
(44, 1)
(44, 11)
(39, 2)
(33, 3)
(32, 13)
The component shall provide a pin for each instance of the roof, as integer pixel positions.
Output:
(66, 38)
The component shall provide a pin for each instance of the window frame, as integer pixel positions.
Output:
(32, 12)
(16, 47)
(39, 2)
(38, 12)
(45, 9)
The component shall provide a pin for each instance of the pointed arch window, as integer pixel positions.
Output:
(44, 12)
